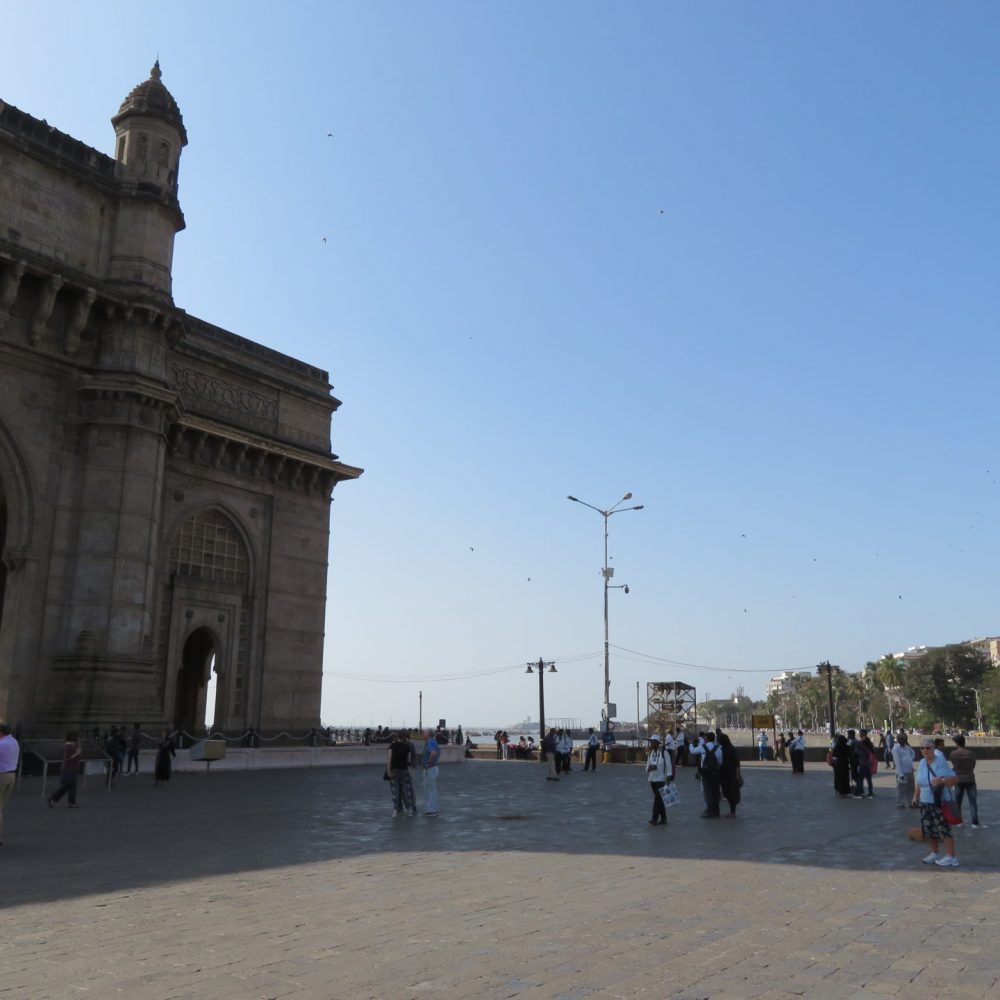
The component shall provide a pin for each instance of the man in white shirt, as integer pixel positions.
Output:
(797, 749)
(902, 757)
(10, 753)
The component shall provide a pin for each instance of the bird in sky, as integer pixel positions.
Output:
(661, 212)
(324, 239)
(471, 549)
(329, 135)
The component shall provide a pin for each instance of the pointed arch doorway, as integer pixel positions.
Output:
(3, 545)
(197, 662)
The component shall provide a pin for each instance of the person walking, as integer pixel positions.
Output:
(902, 759)
(780, 747)
(549, 754)
(934, 781)
(399, 760)
(10, 754)
(864, 756)
(710, 756)
(658, 772)
(681, 743)
(762, 745)
(797, 749)
(565, 750)
(590, 759)
(730, 777)
(429, 762)
(963, 762)
(842, 756)
(165, 752)
(72, 756)
(134, 742)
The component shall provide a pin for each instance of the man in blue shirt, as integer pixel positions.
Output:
(429, 762)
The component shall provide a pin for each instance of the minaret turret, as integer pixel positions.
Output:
(149, 137)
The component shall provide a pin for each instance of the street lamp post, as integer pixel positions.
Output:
(607, 572)
(827, 668)
(540, 667)
(979, 711)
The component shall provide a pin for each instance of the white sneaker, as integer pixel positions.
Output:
(931, 858)
(947, 862)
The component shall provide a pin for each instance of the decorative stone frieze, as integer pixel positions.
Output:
(222, 393)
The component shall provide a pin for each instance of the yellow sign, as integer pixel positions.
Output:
(762, 721)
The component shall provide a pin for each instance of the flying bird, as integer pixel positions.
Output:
(324, 239)
(329, 135)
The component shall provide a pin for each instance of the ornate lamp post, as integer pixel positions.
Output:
(541, 666)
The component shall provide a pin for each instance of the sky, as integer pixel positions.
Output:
(738, 260)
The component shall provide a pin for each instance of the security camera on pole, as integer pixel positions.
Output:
(609, 710)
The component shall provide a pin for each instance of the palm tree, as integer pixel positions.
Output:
(891, 674)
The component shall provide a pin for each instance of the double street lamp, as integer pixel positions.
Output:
(608, 573)
(541, 666)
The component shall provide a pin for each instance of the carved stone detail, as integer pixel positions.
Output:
(46, 302)
(225, 394)
(9, 285)
(78, 321)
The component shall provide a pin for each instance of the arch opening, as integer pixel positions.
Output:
(197, 663)
(3, 545)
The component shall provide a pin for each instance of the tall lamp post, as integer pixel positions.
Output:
(607, 572)
(540, 666)
(827, 668)
(979, 711)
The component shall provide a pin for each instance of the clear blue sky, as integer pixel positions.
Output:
(738, 259)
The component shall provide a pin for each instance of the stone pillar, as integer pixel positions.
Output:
(107, 671)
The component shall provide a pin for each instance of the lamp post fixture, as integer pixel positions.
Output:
(540, 667)
(827, 668)
(979, 711)
(607, 572)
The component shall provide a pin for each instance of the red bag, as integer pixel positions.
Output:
(872, 763)
(829, 757)
(951, 815)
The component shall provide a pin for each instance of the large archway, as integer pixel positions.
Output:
(192, 681)
(3, 545)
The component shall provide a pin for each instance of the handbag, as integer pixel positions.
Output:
(829, 757)
(670, 795)
(947, 806)
(385, 775)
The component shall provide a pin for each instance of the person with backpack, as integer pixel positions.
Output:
(710, 767)
(867, 762)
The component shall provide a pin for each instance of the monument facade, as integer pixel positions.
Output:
(165, 485)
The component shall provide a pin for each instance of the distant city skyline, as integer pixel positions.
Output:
(737, 261)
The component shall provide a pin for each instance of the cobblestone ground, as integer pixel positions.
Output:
(300, 884)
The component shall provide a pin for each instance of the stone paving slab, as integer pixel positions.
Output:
(300, 884)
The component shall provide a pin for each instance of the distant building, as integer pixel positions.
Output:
(990, 648)
(910, 654)
(782, 683)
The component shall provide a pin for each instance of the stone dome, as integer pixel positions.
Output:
(152, 98)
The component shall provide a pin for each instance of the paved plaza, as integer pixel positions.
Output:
(300, 884)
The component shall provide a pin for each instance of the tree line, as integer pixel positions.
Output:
(938, 688)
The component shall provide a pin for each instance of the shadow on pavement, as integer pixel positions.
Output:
(198, 826)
